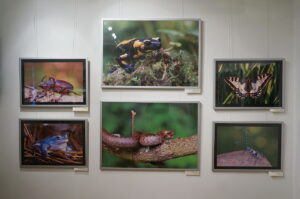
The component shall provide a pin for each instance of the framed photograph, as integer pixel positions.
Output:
(53, 143)
(252, 146)
(150, 136)
(53, 82)
(155, 53)
(249, 84)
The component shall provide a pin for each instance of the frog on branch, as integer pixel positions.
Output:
(54, 143)
(128, 51)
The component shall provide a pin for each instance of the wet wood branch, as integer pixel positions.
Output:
(169, 149)
(34, 95)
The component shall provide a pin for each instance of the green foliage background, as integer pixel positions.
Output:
(272, 93)
(263, 139)
(180, 35)
(182, 118)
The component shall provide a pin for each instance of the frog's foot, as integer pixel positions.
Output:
(112, 70)
(68, 149)
(43, 148)
(129, 68)
(44, 152)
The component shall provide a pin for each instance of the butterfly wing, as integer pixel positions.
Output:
(239, 87)
(257, 86)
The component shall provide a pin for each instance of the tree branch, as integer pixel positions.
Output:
(169, 149)
(34, 95)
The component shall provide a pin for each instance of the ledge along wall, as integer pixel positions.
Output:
(231, 29)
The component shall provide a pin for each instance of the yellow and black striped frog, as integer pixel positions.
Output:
(128, 51)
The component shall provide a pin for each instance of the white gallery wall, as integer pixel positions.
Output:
(296, 57)
(71, 29)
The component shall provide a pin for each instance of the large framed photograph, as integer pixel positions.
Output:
(247, 146)
(249, 84)
(53, 82)
(155, 53)
(150, 136)
(53, 143)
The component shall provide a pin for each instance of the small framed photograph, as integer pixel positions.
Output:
(53, 143)
(53, 82)
(247, 146)
(249, 84)
(153, 53)
(150, 136)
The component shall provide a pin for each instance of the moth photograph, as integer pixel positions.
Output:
(151, 53)
(50, 143)
(253, 146)
(149, 135)
(53, 82)
(247, 84)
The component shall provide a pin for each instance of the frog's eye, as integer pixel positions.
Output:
(58, 137)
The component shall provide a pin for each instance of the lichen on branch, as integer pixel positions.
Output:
(35, 95)
(157, 68)
(169, 149)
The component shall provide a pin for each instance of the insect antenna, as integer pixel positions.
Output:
(74, 92)
(43, 78)
(246, 143)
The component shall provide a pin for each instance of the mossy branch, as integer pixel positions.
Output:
(158, 68)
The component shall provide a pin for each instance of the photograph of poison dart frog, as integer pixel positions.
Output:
(150, 136)
(50, 143)
(151, 53)
(253, 146)
(248, 84)
(53, 82)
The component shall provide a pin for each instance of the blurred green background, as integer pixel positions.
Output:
(263, 138)
(182, 35)
(272, 93)
(182, 118)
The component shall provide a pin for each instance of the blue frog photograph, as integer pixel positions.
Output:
(53, 143)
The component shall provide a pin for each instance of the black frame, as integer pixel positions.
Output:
(54, 104)
(280, 63)
(279, 145)
(36, 121)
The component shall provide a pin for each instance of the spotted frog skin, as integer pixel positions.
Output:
(54, 143)
(132, 49)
